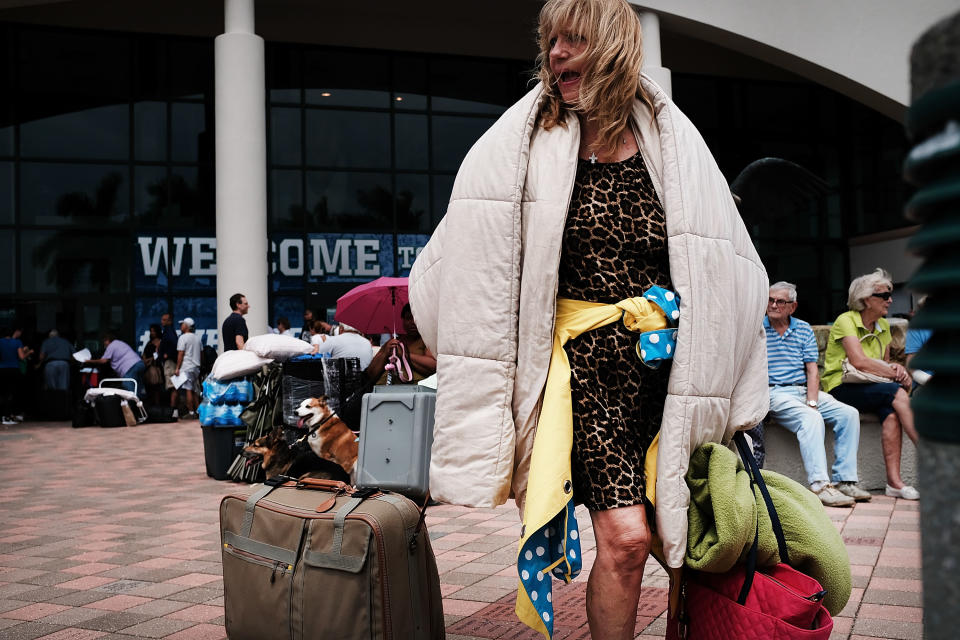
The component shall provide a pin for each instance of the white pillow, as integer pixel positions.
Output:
(234, 364)
(276, 346)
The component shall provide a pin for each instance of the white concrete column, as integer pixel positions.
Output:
(652, 63)
(241, 147)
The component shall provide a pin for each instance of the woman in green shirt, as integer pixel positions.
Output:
(861, 335)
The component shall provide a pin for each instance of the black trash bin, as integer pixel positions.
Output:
(221, 446)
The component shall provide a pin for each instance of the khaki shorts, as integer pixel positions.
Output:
(169, 368)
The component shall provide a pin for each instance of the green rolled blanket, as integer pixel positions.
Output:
(723, 516)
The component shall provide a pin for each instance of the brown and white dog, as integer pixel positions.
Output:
(333, 440)
(277, 458)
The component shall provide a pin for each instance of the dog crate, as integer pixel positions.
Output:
(313, 376)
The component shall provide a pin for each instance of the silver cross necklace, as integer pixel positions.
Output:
(593, 156)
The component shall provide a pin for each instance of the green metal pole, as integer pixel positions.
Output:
(933, 165)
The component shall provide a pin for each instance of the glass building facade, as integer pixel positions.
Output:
(107, 172)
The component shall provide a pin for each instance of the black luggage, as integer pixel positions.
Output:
(160, 413)
(54, 405)
(84, 415)
(109, 411)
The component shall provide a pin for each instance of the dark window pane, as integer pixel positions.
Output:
(150, 131)
(442, 188)
(285, 136)
(283, 73)
(6, 141)
(340, 200)
(410, 148)
(67, 194)
(6, 193)
(286, 200)
(8, 261)
(63, 71)
(348, 138)
(6, 104)
(475, 86)
(452, 138)
(188, 128)
(150, 196)
(101, 133)
(413, 202)
(341, 78)
(67, 262)
(409, 82)
(150, 79)
(190, 68)
(190, 200)
(698, 97)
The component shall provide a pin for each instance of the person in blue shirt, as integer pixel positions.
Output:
(12, 351)
(798, 405)
(915, 340)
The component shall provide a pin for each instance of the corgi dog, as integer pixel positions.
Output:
(333, 440)
(279, 458)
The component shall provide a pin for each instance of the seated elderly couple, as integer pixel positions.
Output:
(862, 336)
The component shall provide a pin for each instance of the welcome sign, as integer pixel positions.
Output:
(185, 267)
(322, 257)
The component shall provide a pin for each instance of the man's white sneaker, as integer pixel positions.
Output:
(8, 420)
(830, 497)
(851, 489)
(906, 492)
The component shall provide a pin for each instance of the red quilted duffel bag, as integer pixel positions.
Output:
(747, 603)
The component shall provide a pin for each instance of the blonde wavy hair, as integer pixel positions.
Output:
(610, 80)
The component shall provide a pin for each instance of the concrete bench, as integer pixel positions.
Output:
(783, 452)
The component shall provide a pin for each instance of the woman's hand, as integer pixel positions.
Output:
(392, 343)
(900, 374)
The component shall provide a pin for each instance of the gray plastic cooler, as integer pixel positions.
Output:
(396, 433)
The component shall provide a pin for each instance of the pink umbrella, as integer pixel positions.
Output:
(374, 307)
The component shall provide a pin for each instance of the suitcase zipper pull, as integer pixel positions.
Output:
(273, 574)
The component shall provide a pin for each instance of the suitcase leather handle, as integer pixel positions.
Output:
(321, 484)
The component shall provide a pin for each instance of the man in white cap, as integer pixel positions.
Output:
(188, 365)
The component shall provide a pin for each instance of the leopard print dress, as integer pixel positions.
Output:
(614, 247)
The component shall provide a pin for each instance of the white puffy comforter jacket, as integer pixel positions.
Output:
(483, 292)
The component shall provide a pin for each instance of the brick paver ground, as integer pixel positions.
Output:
(109, 534)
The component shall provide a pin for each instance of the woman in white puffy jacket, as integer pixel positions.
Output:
(593, 188)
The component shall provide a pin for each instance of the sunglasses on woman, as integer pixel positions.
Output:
(883, 295)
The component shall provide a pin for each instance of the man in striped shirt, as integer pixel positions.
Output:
(797, 404)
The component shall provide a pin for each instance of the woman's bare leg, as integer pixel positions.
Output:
(890, 440)
(613, 590)
(901, 404)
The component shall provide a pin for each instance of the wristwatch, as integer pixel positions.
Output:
(812, 403)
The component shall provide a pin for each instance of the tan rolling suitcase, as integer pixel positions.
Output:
(320, 559)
